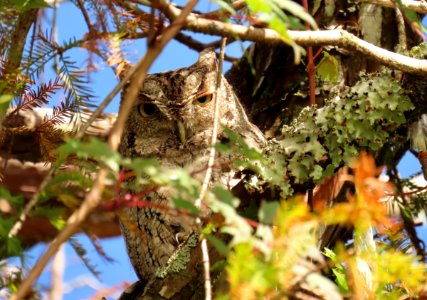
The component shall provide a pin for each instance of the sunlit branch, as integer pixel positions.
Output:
(340, 38)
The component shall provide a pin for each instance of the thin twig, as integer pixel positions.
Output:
(58, 266)
(212, 152)
(54, 33)
(198, 46)
(85, 16)
(29, 206)
(408, 221)
(400, 20)
(93, 198)
(206, 269)
(310, 64)
(208, 175)
(217, 44)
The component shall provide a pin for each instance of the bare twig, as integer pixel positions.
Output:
(418, 6)
(206, 269)
(85, 16)
(311, 72)
(93, 198)
(58, 267)
(340, 38)
(408, 221)
(217, 44)
(198, 46)
(29, 206)
(400, 20)
(208, 174)
(20, 32)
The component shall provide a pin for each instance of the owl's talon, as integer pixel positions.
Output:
(181, 237)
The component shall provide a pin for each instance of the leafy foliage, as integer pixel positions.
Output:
(366, 272)
(32, 99)
(273, 12)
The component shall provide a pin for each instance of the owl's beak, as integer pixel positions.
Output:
(181, 131)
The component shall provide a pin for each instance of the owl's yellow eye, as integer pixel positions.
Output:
(147, 109)
(204, 99)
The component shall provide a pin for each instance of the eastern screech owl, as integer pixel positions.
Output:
(172, 122)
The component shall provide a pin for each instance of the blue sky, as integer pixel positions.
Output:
(176, 55)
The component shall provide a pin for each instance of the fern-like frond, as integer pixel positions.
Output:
(8, 21)
(76, 84)
(98, 247)
(60, 114)
(49, 139)
(36, 98)
(77, 89)
(82, 254)
(43, 51)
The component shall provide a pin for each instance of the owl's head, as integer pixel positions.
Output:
(182, 96)
(174, 111)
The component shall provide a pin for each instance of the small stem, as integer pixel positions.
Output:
(208, 175)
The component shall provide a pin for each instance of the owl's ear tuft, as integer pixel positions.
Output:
(207, 57)
(122, 68)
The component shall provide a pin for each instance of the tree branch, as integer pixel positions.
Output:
(198, 46)
(340, 38)
(20, 32)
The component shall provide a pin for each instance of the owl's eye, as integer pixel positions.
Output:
(204, 99)
(147, 109)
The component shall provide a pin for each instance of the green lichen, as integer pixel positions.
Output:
(180, 258)
(419, 51)
(362, 117)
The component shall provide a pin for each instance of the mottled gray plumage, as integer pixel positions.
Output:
(172, 122)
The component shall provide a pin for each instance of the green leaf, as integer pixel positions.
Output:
(225, 196)
(223, 148)
(316, 6)
(6, 98)
(218, 244)
(141, 166)
(93, 148)
(15, 200)
(182, 204)
(267, 212)
(327, 69)
(227, 7)
(5, 101)
(258, 5)
(13, 246)
(24, 5)
(181, 181)
(341, 280)
(58, 223)
(297, 10)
